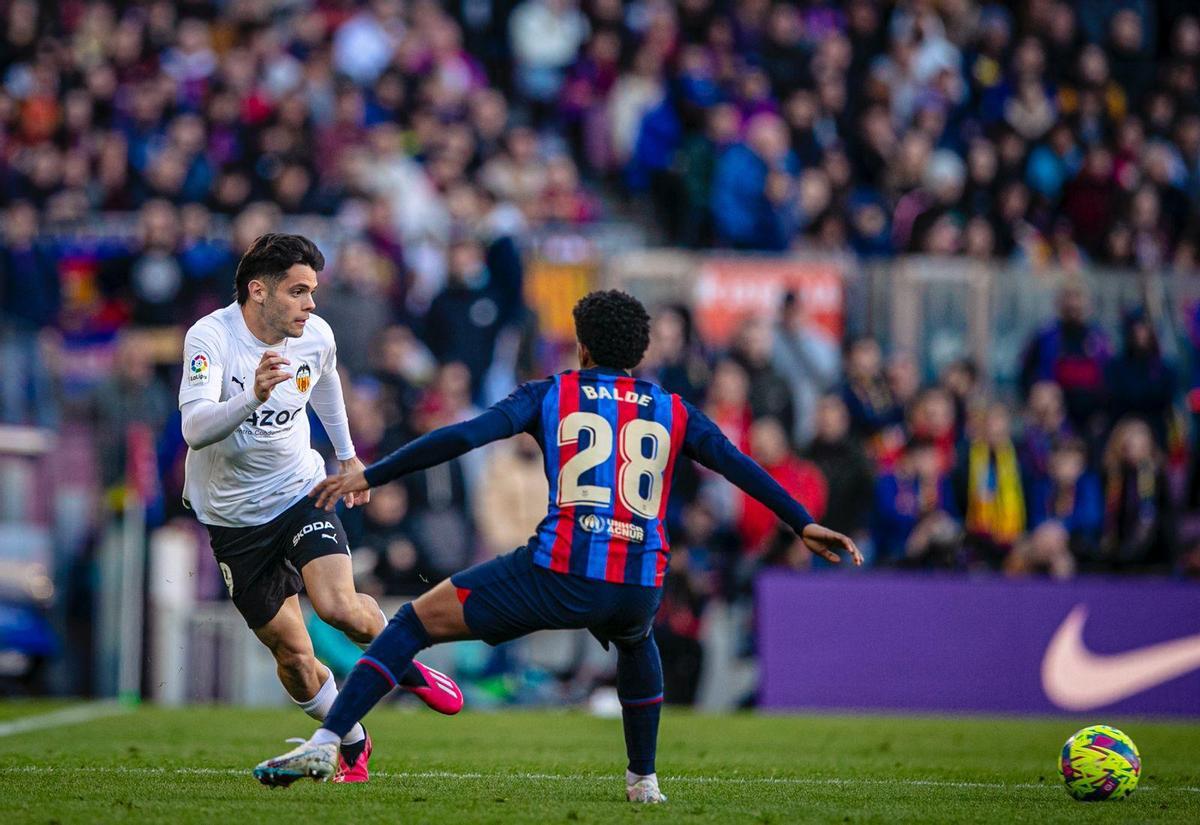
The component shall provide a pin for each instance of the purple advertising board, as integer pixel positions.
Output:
(964, 644)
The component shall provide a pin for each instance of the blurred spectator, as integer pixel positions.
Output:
(512, 493)
(1052, 163)
(518, 173)
(696, 167)
(149, 280)
(932, 419)
(402, 364)
(913, 522)
(1073, 352)
(464, 319)
(988, 487)
(1046, 551)
(1089, 199)
(30, 299)
(1139, 518)
(355, 303)
(439, 504)
(703, 559)
(677, 627)
(873, 409)
(1069, 495)
(546, 35)
(1140, 381)
(1045, 424)
(399, 569)
(808, 361)
(563, 202)
(769, 447)
(848, 473)
(728, 402)
(364, 45)
(961, 380)
(131, 395)
(927, 218)
(770, 394)
(674, 359)
(753, 196)
(1192, 498)
(903, 379)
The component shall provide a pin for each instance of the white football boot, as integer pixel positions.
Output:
(645, 791)
(317, 762)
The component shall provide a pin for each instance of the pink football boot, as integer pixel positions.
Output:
(357, 772)
(439, 691)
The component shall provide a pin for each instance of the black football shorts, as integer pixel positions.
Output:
(261, 565)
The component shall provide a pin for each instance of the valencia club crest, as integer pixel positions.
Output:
(303, 378)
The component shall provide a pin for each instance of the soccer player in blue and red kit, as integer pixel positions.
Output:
(610, 442)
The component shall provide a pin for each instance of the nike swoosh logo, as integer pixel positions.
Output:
(331, 538)
(1074, 678)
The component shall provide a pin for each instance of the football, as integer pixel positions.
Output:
(1099, 763)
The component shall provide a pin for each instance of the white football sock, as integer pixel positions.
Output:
(632, 778)
(324, 737)
(318, 706)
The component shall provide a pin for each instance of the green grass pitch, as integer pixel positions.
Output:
(193, 766)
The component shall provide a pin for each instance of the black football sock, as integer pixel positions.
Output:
(351, 752)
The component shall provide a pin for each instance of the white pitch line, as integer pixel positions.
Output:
(554, 777)
(56, 719)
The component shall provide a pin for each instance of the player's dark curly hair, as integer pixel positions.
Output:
(614, 326)
(270, 257)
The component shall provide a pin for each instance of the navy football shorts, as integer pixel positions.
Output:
(510, 596)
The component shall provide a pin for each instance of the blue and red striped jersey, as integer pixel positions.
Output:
(610, 443)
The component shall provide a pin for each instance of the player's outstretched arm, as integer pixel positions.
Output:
(330, 405)
(433, 448)
(706, 444)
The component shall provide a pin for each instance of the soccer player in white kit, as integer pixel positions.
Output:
(249, 371)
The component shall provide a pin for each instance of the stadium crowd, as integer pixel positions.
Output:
(436, 137)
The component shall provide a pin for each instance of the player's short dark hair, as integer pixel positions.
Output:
(270, 257)
(614, 326)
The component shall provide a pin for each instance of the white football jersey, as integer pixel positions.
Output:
(267, 463)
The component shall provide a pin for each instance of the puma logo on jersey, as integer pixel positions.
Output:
(602, 391)
(239, 382)
(310, 528)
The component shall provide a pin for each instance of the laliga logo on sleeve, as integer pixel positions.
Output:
(198, 370)
(303, 378)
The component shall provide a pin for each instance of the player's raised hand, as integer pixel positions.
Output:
(349, 467)
(331, 489)
(270, 371)
(828, 543)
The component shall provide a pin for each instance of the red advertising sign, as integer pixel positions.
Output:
(730, 290)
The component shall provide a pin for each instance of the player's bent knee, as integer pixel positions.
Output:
(441, 614)
(345, 614)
